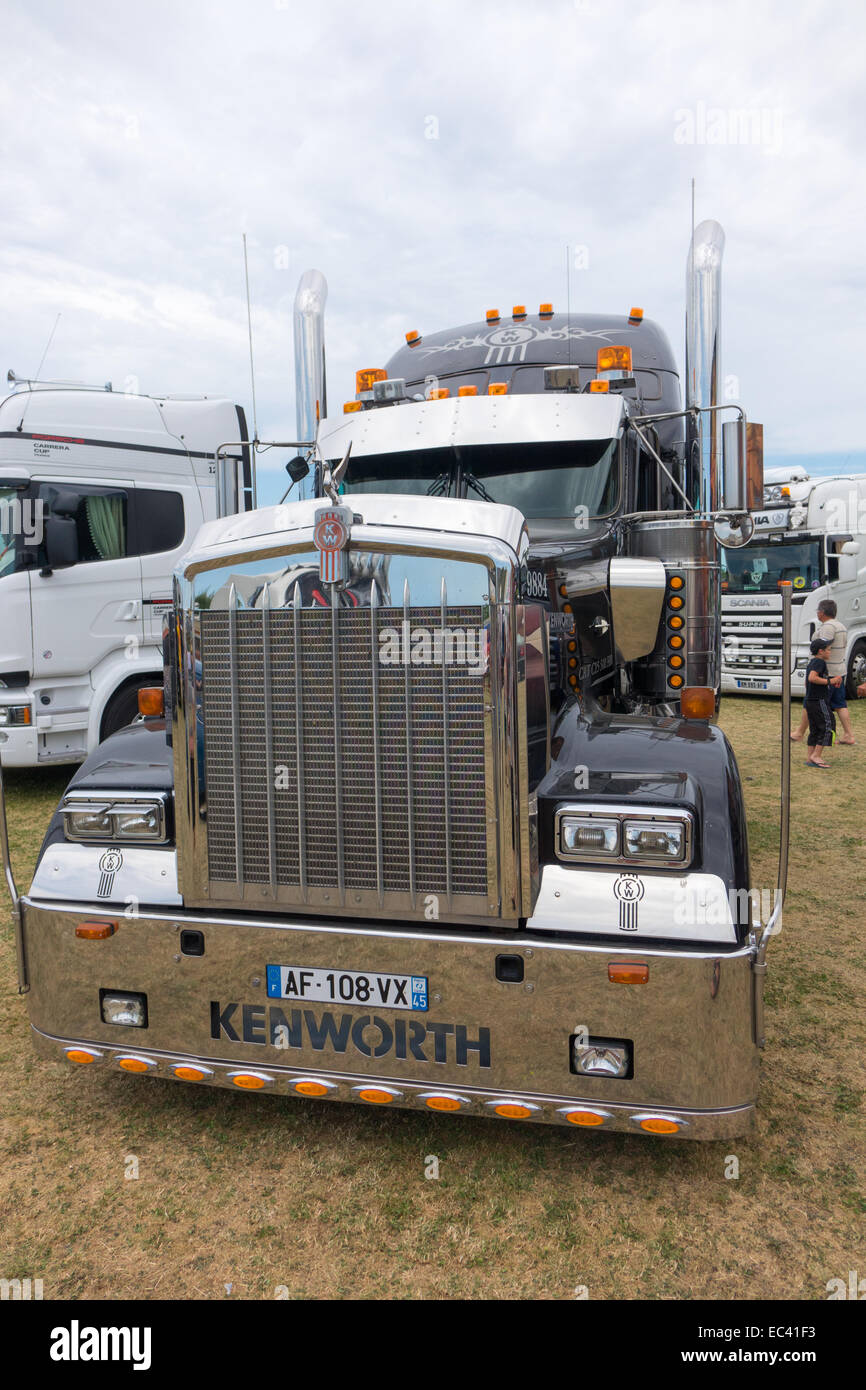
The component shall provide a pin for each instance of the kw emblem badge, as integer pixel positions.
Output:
(628, 890)
(331, 537)
(109, 864)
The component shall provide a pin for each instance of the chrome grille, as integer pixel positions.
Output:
(388, 782)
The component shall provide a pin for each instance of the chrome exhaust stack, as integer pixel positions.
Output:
(704, 362)
(310, 386)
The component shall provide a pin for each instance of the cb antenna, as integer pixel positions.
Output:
(568, 300)
(250, 330)
(47, 346)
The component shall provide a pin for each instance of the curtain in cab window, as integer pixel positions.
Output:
(105, 522)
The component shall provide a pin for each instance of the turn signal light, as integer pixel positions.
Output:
(95, 931)
(599, 387)
(413, 338)
(78, 1054)
(698, 702)
(467, 390)
(614, 358)
(367, 375)
(498, 388)
(151, 701)
(350, 407)
(628, 972)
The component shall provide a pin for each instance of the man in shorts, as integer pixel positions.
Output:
(836, 633)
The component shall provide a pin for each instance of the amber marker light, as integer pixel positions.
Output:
(151, 701)
(95, 931)
(675, 662)
(614, 358)
(509, 1111)
(676, 581)
(498, 388)
(675, 601)
(636, 316)
(676, 641)
(492, 315)
(248, 1081)
(545, 311)
(519, 311)
(136, 1064)
(184, 1073)
(367, 375)
(467, 390)
(599, 388)
(657, 1124)
(444, 1103)
(413, 338)
(312, 1088)
(441, 393)
(628, 972)
(675, 622)
(698, 702)
(350, 407)
(675, 681)
(374, 1096)
(79, 1055)
(586, 1118)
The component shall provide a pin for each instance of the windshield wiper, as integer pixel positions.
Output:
(439, 486)
(471, 481)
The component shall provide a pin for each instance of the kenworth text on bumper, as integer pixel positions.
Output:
(436, 813)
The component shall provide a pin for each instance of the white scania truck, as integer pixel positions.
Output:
(811, 532)
(101, 494)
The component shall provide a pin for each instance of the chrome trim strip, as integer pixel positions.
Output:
(338, 745)
(446, 749)
(377, 752)
(269, 739)
(299, 745)
(236, 735)
(410, 797)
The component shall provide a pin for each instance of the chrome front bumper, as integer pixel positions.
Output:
(484, 1042)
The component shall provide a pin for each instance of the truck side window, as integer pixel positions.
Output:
(100, 519)
(159, 521)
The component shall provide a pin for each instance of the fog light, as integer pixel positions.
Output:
(600, 1057)
(127, 1010)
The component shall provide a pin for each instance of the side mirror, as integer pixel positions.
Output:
(297, 468)
(851, 548)
(742, 466)
(61, 543)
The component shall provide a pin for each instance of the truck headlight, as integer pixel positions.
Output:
(133, 819)
(600, 833)
(15, 715)
(664, 841)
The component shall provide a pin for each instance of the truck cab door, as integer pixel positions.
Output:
(85, 612)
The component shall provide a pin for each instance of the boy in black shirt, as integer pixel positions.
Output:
(818, 702)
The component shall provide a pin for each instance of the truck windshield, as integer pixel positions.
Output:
(10, 528)
(758, 568)
(540, 480)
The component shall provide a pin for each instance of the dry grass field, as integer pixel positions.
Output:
(334, 1202)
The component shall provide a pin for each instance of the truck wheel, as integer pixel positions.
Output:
(122, 708)
(856, 669)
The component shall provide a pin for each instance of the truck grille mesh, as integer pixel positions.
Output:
(293, 676)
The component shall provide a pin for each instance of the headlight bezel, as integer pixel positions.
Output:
(114, 808)
(650, 817)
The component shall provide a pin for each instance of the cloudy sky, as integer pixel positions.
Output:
(432, 160)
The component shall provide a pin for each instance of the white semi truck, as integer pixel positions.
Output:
(811, 532)
(101, 494)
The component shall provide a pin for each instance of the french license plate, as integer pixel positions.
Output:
(752, 685)
(348, 987)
